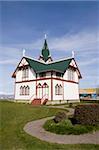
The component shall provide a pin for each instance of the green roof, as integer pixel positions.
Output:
(59, 66)
(45, 51)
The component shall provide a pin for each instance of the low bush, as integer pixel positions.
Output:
(66, 127)
(59, 117)
(87, 114)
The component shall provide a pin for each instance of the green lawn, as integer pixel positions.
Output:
(14, 116)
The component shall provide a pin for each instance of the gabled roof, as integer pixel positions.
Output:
(59, 66)
(38, 67)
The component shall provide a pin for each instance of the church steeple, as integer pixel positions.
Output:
(45, 53)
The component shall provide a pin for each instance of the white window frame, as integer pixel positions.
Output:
(25, 73)
(71, 75)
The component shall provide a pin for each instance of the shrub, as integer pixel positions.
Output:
(59, 117)
(73, 120)
(66, 127)
(87, 114)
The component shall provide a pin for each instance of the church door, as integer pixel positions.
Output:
(45, 91)
(39, 91)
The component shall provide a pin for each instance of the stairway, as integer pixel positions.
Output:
(44, 102)
(36, 101)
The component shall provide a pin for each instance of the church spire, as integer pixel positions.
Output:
(45, 50)
(45, 46)
(45, 53)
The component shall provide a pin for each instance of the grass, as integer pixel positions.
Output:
(66, 127)
(14, 116)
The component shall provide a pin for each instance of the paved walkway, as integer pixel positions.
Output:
(70, 110)
(35, 129)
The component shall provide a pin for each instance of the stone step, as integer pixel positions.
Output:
(36, 102)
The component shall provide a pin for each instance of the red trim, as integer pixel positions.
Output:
(48, 79)
(51, 86)
(66, 80)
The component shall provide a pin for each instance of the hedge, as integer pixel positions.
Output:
(87, 114)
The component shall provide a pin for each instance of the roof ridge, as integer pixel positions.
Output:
(56, 61)
(34, 59)
(62, 59)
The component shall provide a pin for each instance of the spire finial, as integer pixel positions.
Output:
(23, 52)
(73, 54)
(45, 36)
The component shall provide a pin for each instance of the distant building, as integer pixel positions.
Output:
(89, 93)
(46, 81)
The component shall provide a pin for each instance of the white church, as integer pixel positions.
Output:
(44, 81)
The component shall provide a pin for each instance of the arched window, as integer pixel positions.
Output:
(45, 85)
(56, 89)
(27, 90)
(71, 74)
(39, 91)
(25, 72)
(39, 85)
(45, 90)
(21, 90)
(60, 90)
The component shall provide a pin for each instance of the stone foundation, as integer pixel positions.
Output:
(52, 102)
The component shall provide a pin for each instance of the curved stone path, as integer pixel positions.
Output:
(34, 128)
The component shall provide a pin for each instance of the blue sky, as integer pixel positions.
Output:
(69, 25)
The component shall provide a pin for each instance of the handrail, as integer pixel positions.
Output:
(44, 96)
(42, 99)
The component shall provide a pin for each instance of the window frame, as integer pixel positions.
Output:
(24, 90)
(25, 72)
(58, 89)
(71, 74)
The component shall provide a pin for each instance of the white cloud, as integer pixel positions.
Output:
(89, 62)
(9, 62)
(82, 41)
(78, 41)
(10, 51)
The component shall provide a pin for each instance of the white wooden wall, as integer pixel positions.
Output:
(31, 85)
(70, 90)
